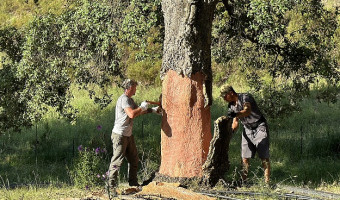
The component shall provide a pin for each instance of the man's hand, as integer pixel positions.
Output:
(155, 109)
(144, 105)
(234, 125)
(218, 120)
(231, 114)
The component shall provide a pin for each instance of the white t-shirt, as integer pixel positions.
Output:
(123, 123)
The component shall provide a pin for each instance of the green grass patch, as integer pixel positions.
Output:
(305, 146)
(42, 193)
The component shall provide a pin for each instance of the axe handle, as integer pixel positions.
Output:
(154, 102)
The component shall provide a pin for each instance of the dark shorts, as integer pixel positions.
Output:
(256, 140)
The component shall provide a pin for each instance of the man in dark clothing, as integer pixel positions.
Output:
(255, 136)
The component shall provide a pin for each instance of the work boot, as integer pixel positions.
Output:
(134, 183)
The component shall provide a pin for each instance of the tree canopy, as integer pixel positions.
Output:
(281, 49)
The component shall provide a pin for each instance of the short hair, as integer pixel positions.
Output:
(225, 89)
(128, 83)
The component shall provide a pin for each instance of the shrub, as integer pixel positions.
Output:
(145, 71)
(90, 168)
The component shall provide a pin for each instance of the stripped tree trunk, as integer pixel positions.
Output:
(186, 91)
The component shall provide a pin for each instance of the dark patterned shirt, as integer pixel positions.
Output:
(255, 116)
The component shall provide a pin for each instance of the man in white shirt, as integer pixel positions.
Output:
(124, 145)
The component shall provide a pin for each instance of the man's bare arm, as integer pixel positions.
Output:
(246, 110)
(132, 113)
(234, 125)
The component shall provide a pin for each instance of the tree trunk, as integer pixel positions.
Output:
(186, 74)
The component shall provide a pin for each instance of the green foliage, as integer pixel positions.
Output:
(18, 13)
(312, 154)
(141, 39)
(292, 42)
(280, 103)
(146, 71)
(90, 168)
(140, 17)
(273, 47)
(267, 19)
(11, 108)
(11, 41)
(75, 46)
(78, 44)
(43, 73)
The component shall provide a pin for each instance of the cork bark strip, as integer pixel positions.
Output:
(217, 163)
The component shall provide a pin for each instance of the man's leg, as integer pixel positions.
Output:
(263, 149)
(266, 168)
(132, 157)
(248, 151)
(245, 169)
(119, 146)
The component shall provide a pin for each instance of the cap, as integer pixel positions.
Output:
(225, 89)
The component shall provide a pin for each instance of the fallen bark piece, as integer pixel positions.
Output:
(123, 193)
(172, 190)
(128, 191)
(217, 163)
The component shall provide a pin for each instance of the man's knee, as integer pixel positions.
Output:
(245, 161)
(245, 164)
(117, 160)
(265, 162)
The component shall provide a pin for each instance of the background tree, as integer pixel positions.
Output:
(141, 41)
(18, 13)
(54, 52)
(281, 48)
(186, 88)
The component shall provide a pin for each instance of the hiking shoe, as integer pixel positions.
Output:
(134, 184)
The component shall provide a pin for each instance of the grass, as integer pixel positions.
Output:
(42, 193)
(305, 146)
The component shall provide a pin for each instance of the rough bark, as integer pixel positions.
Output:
(187, 39)
(217, 163)
(186, 92)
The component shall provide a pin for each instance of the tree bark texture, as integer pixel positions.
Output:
(187, 42)
(217, 163)
(186, 90)
(185, 126)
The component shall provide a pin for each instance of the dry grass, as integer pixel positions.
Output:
(42, 193)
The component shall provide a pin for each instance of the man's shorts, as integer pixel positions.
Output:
(256, 140)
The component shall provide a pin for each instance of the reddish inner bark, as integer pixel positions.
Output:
(186, 132)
